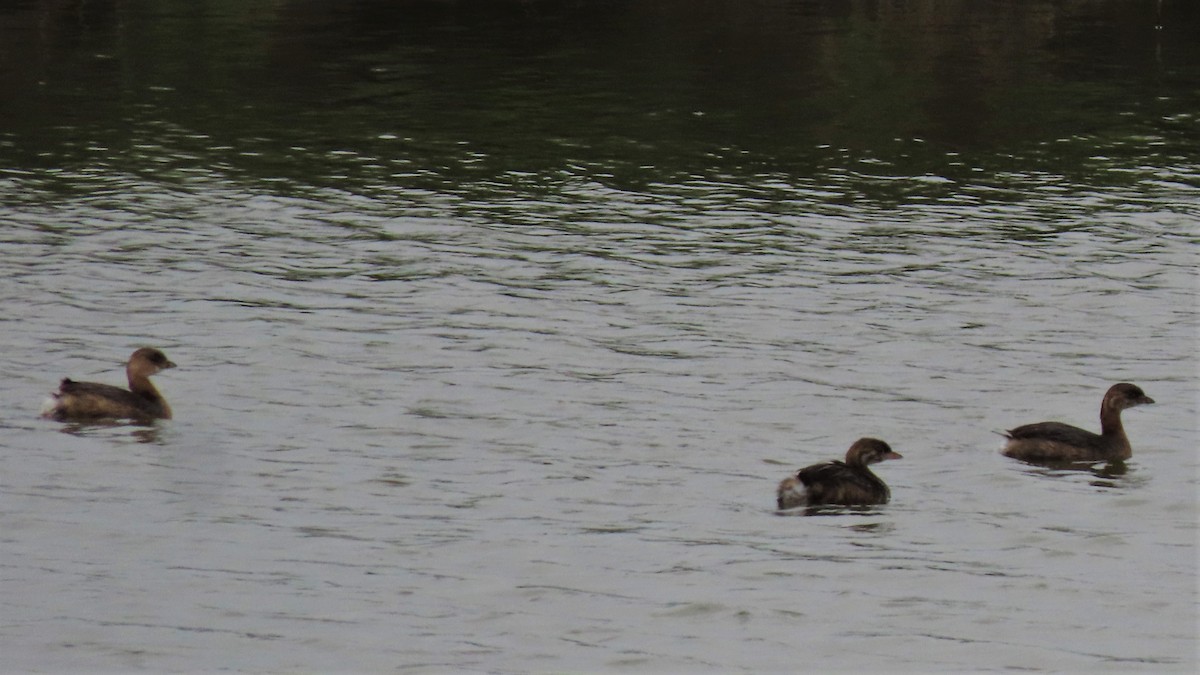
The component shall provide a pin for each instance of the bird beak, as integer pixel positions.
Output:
(893, 455)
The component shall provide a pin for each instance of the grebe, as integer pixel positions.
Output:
(1058, 442)
(846, 483)
(91, 400)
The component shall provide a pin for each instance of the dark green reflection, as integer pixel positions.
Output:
(444, 95)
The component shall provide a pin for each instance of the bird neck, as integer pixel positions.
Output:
(1110, 422)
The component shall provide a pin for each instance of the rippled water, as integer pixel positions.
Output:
(519, 401)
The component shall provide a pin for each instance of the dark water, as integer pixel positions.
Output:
(498, 322)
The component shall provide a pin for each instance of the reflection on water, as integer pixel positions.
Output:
(1115, 474)
(387, 98)
(142, 432)
(1112, 469)
(840, 511)
(504, 320)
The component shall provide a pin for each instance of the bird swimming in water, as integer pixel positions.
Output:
(84, 401)
(848, 483)
(1058, 442)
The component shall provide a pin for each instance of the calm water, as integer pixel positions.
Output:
(497, 324)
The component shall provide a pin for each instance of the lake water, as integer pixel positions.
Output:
(497, 324)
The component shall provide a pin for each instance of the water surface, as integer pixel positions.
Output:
(497, 324)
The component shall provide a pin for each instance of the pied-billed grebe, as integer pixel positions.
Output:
(845, 483)
(91, 400)
(1058, 442)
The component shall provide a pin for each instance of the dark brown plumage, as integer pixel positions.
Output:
(83, 401)
(845, 483)
(1058, 442)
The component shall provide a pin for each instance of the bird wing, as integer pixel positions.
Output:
(834, 473)
(838, 483)
(1053, 431)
